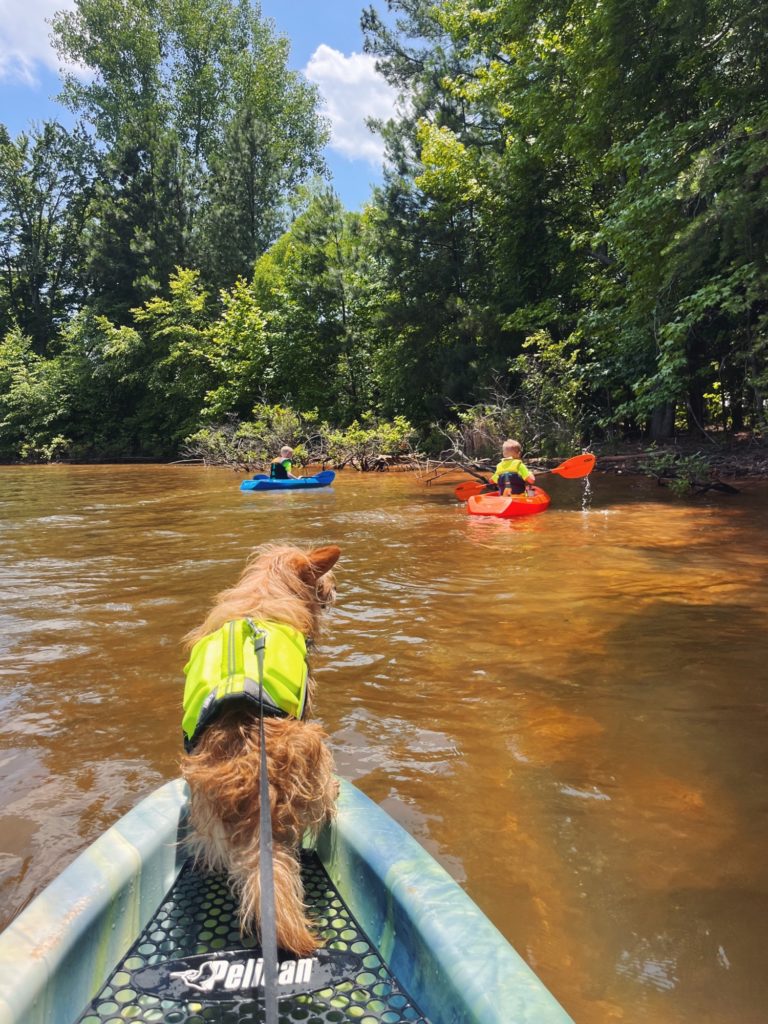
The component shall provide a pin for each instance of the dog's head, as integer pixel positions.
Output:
(317, 573)
(280, 582)
(306, 574)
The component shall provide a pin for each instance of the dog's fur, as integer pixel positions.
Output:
(290, 585)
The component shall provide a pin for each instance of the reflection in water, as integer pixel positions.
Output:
(566, 710)
(644, 966)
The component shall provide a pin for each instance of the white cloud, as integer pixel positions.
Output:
(25, 38)
(350, 86)
(352, 90)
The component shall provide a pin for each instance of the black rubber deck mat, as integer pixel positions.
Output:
(190, 965)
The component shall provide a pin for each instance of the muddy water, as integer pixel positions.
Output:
(569, 712)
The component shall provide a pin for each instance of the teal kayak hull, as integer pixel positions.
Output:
(58, 954)
(264, 483)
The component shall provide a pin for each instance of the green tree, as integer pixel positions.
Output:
(176, 346)
(104, 370)
(606, 163)
(238, 355)
(314, 286)
(136, 232)
(45, 184)
(268, 143)
(471, 235)
(138, 224)
(205, 131)
(686, 232)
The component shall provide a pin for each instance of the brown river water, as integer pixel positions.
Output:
(568, 712)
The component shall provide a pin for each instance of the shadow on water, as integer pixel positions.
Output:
(567, 710)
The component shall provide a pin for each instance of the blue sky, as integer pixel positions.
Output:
(326, 46)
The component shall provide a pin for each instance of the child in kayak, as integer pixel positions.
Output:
(280, 468)
(511, 476)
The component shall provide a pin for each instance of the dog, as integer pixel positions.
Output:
(279, 600)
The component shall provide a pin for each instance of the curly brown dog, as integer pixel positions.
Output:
(260, 626)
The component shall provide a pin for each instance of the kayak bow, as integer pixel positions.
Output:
(131, 931)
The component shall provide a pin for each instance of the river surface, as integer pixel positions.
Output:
(568, 712)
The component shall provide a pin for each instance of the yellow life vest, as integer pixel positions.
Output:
(511, 466)
(226, 665)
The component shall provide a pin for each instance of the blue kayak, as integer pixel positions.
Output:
(261, 482)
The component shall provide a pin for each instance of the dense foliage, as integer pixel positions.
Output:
(572, 228)
(368, 444)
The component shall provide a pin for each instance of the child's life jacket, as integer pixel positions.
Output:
(511, 466)
(225, 667)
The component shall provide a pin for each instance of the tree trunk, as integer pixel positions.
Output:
(696, 408)
(662, 425)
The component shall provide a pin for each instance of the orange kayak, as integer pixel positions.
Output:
(507, 507)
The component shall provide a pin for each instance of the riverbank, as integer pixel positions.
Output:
(740, 457)
(734, 458)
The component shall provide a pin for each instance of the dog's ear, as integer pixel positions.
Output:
(321, 561)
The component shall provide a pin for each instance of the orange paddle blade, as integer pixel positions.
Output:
(466, 490)
(571, 469)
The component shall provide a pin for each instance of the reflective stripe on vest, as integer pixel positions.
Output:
(224, 666)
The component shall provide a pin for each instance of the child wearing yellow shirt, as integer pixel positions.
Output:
(511, 475)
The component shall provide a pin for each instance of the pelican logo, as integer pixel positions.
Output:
(236, 976)
(239, 974)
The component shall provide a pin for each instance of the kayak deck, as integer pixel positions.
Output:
(390, 904)
(191, 965)
(508, 506)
